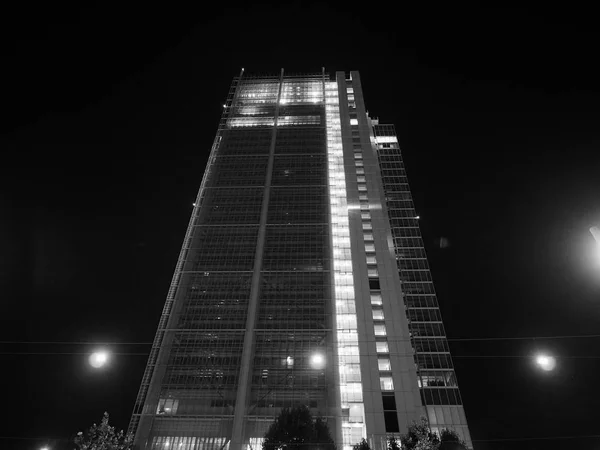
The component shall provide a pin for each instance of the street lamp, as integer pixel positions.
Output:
(98, 359)
(545, 362)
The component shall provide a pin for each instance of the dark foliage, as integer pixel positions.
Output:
(295, 429)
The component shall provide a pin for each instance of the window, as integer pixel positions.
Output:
(376, 300)
(380, 330)
(361, 179)
(382, 347)
(167, 406)
(372, 271)
(362, 188)
(386, 383)
(360, 171)
(384, 364)
(353, 121)
(391, 422)
(378, 314)
(374, 284)
(363, 197)
(371, 259)
(367, 226)
(368, 236)
(370, 247)
(389, 402)
(365, 215)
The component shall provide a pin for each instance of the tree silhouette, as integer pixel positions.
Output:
(450, 440)
(362, 445)
(420, 437)
(393, 444)
(103, 437)
(295, 429)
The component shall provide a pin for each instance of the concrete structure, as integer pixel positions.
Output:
(302, 280)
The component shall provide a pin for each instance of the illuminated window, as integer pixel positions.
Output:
(251, 122)
(167, 406)
(360, 171)
(359, 164)
(386, 383)
(372, 260)
(368, 236)
(365, 216)
(358, 156)
(353, 121)
(372, 271)
(367, 226)
(382, 347)
(369, 248)
(376, 300)
(350, 90)
(378, 314)
(380, 329)
(384, 364)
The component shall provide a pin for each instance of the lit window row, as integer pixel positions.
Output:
(386, 382)
(301, 92)
(270, 121)
(353, 426)
(186, 443)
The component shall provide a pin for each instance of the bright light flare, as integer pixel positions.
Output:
(546, 362)
(98, 359)
(317, 361)
(596, 233)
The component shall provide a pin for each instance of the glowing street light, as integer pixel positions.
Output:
(545, 362)
(98, 359)
(317, 361)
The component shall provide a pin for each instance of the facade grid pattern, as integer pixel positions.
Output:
(437, 380)
(282, 261)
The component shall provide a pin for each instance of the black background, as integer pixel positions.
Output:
(109, 114)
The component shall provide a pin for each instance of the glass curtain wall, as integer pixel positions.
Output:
(437, 380)
(259, 235)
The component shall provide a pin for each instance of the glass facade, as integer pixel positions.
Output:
(437, 382)
(286, 291)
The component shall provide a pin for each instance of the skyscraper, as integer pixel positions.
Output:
(302, 279)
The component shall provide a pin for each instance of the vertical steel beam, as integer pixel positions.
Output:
(241, 402)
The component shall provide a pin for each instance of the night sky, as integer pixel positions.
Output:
(110, 112)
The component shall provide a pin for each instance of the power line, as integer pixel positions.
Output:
(588, 436)
(573, 336)
(505, 338)
(360, 354)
